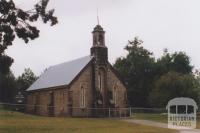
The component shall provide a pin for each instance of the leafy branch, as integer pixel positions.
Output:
(15, 21)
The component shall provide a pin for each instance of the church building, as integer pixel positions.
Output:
(85, 87)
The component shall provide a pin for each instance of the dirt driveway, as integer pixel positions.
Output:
(158, 124)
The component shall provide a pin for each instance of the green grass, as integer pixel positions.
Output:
(14, 122)
(158, 117)
(150, 116)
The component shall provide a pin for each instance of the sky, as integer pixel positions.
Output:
(172, 24)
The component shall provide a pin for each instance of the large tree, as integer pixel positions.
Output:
(172, 85)
(178, 62)
(146, 76)
(16, 22)
(26, 79)
(8, 88)
(137, 68)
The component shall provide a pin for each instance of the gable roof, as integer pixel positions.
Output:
(61, 74)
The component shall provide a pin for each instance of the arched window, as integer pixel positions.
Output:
(101, 80)
(115, 94)
(95, 40)
(101, 40)
(82, 97)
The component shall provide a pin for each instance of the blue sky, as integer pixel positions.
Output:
(172, 24)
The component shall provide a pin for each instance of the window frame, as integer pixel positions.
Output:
(82, 96)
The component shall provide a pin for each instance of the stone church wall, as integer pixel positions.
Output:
(113, 80)
(85, 80)
(38, 102)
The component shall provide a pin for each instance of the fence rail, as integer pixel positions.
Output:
(48, 110)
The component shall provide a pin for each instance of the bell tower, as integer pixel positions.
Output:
(98, 49)
(100, 67)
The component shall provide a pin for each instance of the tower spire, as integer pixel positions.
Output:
(97, 16)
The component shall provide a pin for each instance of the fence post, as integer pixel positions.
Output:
(130, 112)
(119, 113)
(87, 111)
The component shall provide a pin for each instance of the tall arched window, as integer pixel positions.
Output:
(101, 79)
(115, 94)
(82, 97)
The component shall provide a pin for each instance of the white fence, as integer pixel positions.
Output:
(82, 112)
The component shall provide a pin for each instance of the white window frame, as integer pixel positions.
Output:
(82, 96)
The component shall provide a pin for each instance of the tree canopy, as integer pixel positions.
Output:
(7, 87)
(17, 22)
(178, 62)
(14, 21)
(172, 85)
(151, 82)
(137, 68)
(26, 79)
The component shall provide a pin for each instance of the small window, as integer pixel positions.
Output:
(181, 109)
(190, 109)
(82, 97)
(172, 109)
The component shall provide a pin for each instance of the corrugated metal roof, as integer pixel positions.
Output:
(61, 74)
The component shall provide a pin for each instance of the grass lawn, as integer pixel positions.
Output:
(153, 117)
(14, 122)
(158, 117)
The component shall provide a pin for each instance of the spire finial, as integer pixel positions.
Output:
(97, 16)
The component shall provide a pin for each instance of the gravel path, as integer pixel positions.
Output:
(159, 124)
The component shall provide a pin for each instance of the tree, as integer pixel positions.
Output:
(8, 88)
(137, 68)
(197, 78)
(145, 76)
(172, 85)
(15, 21)
(178, 62)
(26, 79)
(173, 78)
